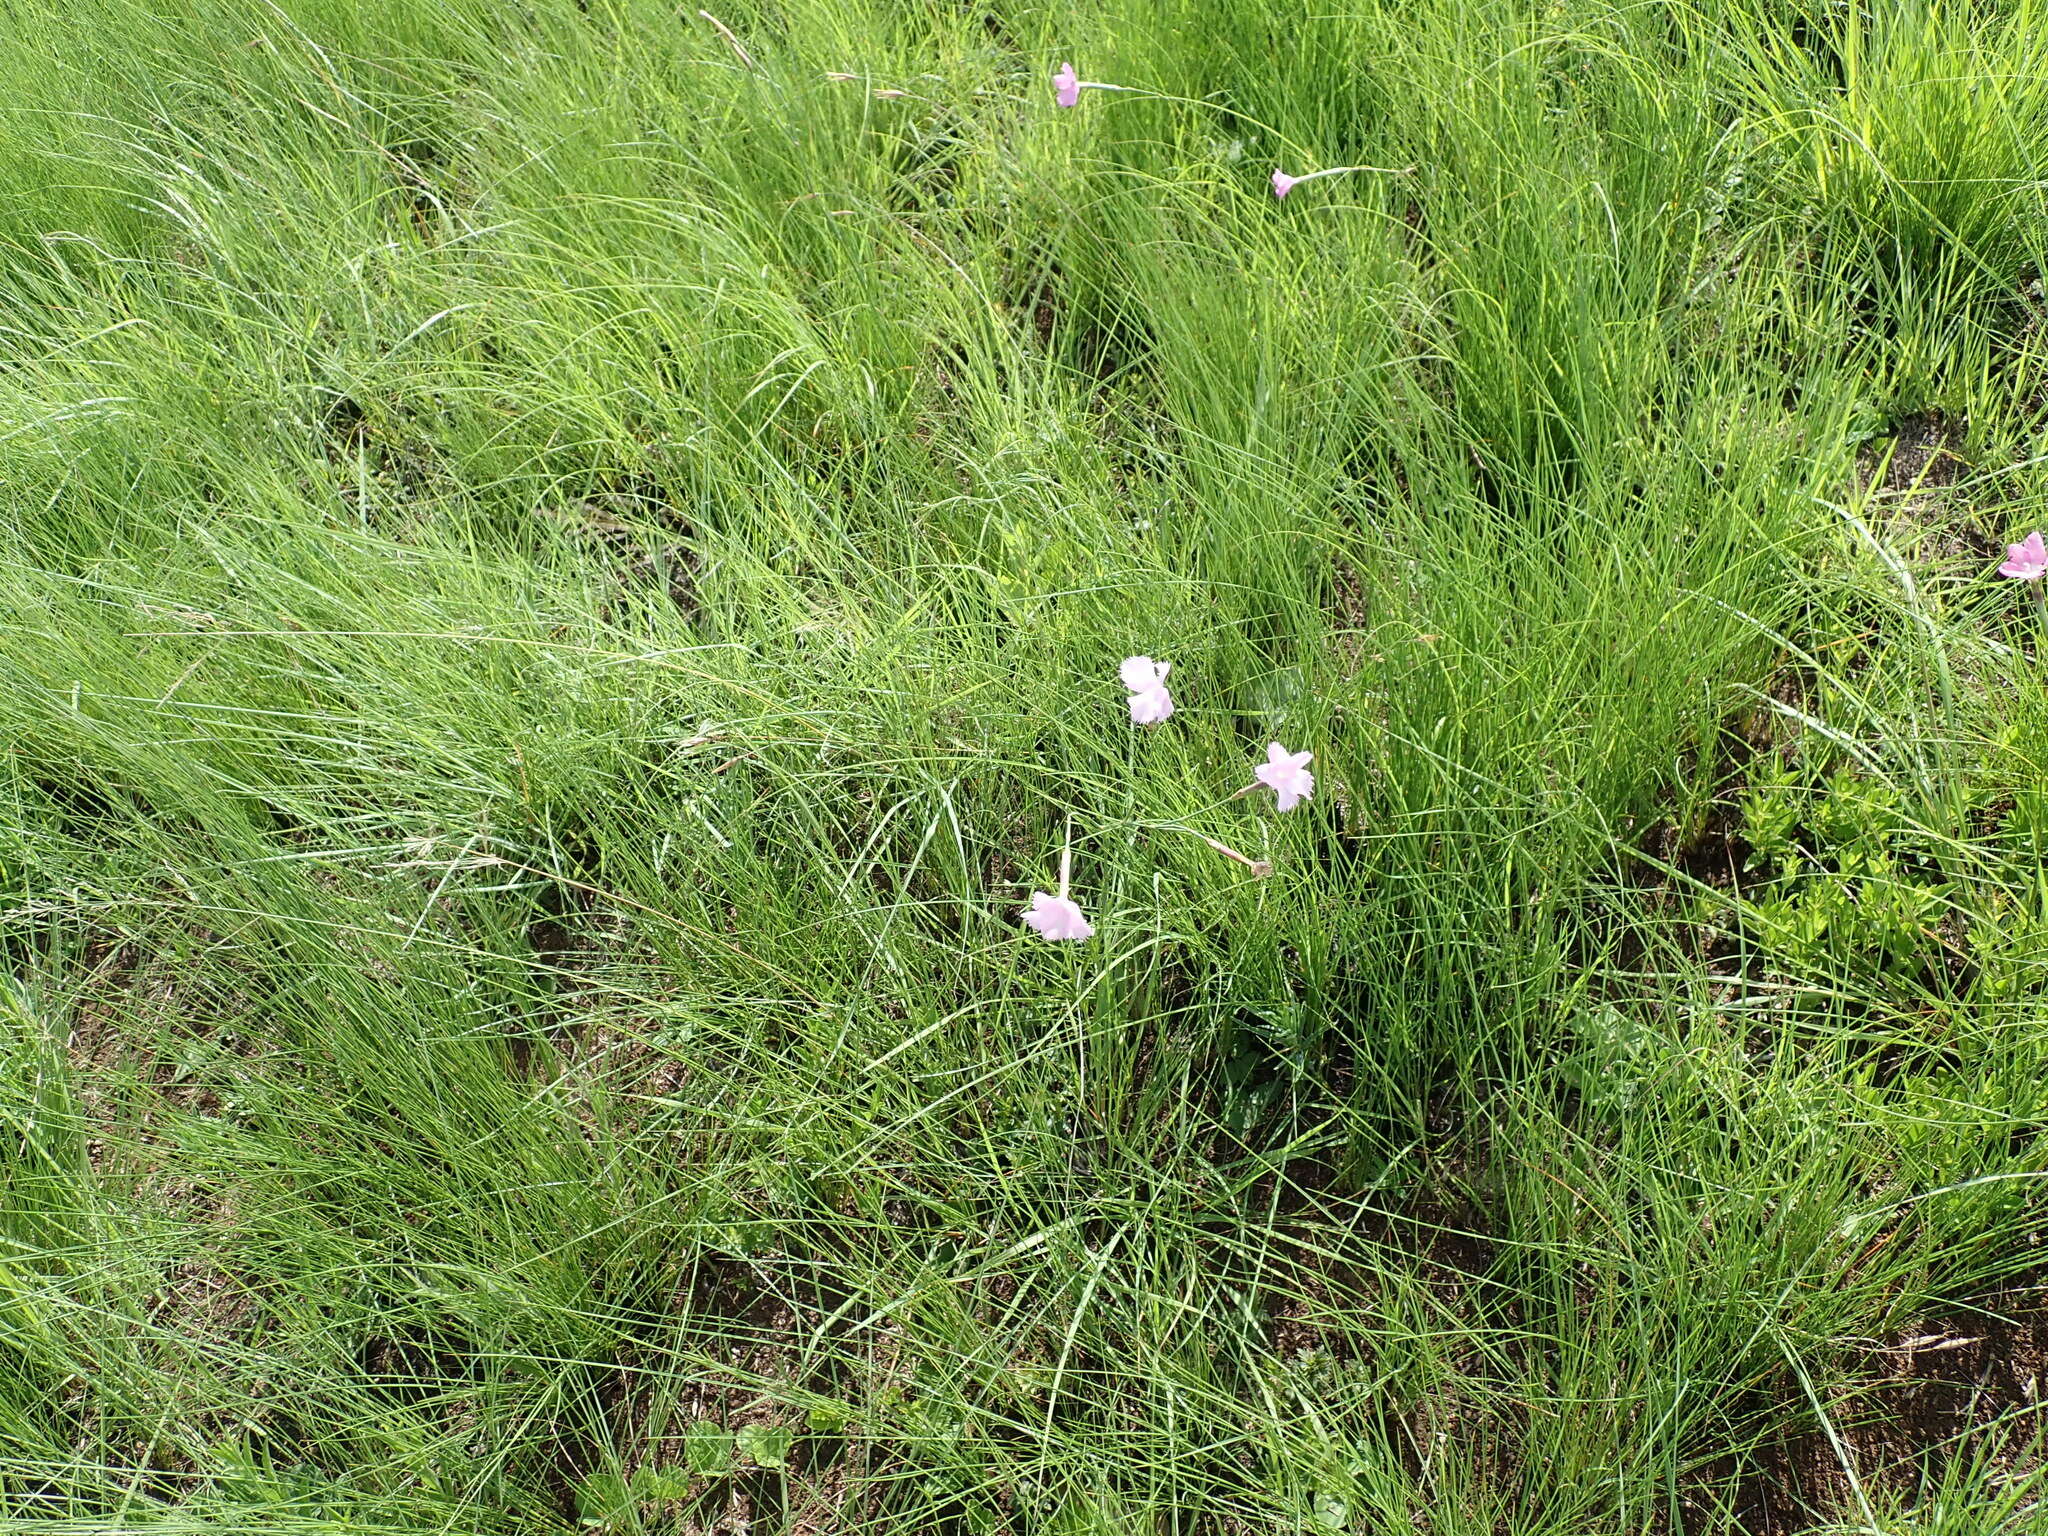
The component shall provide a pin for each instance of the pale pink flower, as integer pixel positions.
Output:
(1282, 182)
(1055, 917)
(1286, 774)
(1146, 679)
(2025, 561)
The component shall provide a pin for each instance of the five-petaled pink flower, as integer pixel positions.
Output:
(1286, 774)
(1146, 679)
(1282, 182)
(1066, 86)
(2025, 561)
(1055, 917)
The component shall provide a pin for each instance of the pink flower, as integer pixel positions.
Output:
(1282, 182)
(1055, 917)
(1146, 679)
(2026, 561)
(1286, 774)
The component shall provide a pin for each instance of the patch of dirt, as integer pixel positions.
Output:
(581, 1034)
(157, 1034)
(747, 1334)
(561, 911)
(1969, 1382)
(121, 1070)
(636, 529)
(428, 187)
(199, 1299)
(1910, 474)
(1351, 608)
(383, 443)
(1919, 455)
(1324, 1270)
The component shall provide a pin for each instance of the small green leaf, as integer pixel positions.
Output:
(601, 1498)
(829, 1418)
(765, 1445)
(660, 1485)
(707, 1449)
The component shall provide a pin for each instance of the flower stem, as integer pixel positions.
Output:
(1346, 170)
(1259, 867)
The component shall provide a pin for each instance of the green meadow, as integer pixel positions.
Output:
(563, 570)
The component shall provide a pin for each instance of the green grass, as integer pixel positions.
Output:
(561, 577)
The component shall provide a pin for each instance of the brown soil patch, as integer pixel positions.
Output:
(1920, 455)
(1911, 475)
(146, 1039)
(740, 1362)
(1965, 1384)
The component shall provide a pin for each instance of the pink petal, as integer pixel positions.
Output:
(1282, 182)
(1055, 917)
(1151, 706)
(1066, 86)
(1141, 672)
